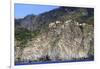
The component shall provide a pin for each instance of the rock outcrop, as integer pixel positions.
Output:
(61, 36)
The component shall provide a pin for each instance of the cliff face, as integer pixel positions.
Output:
(58, 35)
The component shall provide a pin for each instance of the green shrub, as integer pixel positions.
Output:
(22, 34)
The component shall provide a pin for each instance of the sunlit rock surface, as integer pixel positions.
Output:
(60, 39)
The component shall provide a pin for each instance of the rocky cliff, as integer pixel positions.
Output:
(65, 33)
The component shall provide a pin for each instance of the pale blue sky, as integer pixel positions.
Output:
(21, 10)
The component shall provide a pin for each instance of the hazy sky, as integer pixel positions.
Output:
(21, 10)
